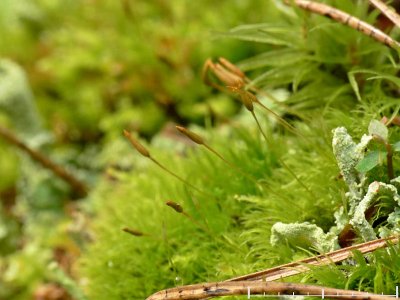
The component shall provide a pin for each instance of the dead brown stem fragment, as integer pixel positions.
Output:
(77, 186)
(294, 268)
(179, 209)
(346, 19)
(259, 282)
(389, 12)
(217, 289)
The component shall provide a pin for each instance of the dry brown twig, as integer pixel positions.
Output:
(216, 289)
(239, 285)
(77, 186)
(387, 11)
(297, 267)
(353, 22)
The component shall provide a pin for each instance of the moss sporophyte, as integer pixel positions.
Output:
(280, 199)
(271, 191)
(368, 201)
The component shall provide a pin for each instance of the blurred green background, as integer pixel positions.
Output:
(74, 74)
(93, 68)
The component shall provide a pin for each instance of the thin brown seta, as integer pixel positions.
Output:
(179, 209)
(261, 184)
(200, 141)
(278, 118)
(248, 99)
(281, 160)
(144, 152)
(347, 19)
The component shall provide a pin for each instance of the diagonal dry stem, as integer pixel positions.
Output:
(388, 11)
(294, 268)
(260, 282)
(77, 186)
(217, 289)
(346, 19)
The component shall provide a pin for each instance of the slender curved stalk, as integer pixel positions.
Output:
(179, 178)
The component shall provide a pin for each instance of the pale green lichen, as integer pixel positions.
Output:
(348, 154)
(376, 191)
(303, 235)
(16, 100)
(361, 195)
(341, 220)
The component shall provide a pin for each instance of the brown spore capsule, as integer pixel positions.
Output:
(177, 207)
(191, 135)
(133, 232)
(139, 147)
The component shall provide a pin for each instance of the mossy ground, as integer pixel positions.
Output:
(323, 75)
(230, 230)
(326, 69)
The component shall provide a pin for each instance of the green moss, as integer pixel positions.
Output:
(229, 231)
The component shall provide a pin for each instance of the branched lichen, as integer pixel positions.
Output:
(362, 201)
(303, 235)
(376, 191)
(348, 154)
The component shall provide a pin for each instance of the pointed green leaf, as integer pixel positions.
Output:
(377, 128)
(274, 58)
(370, 161)
(396, 147)
(354, 84)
